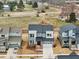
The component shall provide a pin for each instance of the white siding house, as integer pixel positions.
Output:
(32, 37)
(40, 34)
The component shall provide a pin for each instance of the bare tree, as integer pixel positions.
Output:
(69, 8)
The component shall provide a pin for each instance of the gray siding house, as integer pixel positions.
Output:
(39, 34)
(69, 36)
(9, 38)
(15, 38)
(4, 36)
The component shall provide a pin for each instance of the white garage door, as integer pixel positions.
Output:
(47, 51)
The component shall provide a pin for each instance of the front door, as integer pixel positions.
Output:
(38, 42)
(73, 45)
(73, 42)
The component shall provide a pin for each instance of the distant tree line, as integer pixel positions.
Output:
(20, 6)
(1, 5)
(12, 5)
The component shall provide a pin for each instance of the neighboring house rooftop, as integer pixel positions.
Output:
(4, 30)
(67, 27)
(15, 35)
(10, 30)
(14, 40)
(15, 30)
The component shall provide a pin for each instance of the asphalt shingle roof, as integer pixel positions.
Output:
(15, 30)
(14, 39)
(67, 27)
(40, 28)
(4, 30)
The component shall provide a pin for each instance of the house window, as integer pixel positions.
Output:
(64, 34)
(4, 43)
(66, 41)
(49, 35)
(32, 42)
(2, 35)
(31, 35)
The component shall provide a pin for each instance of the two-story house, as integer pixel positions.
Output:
(39, 34)
(4, 36)
(15, 38)
(68, 36)
(9, 38)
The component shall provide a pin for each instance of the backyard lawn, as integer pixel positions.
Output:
(24, 21)
(17, 21)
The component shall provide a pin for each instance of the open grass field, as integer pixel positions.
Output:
(17, 21)
(24, 21)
